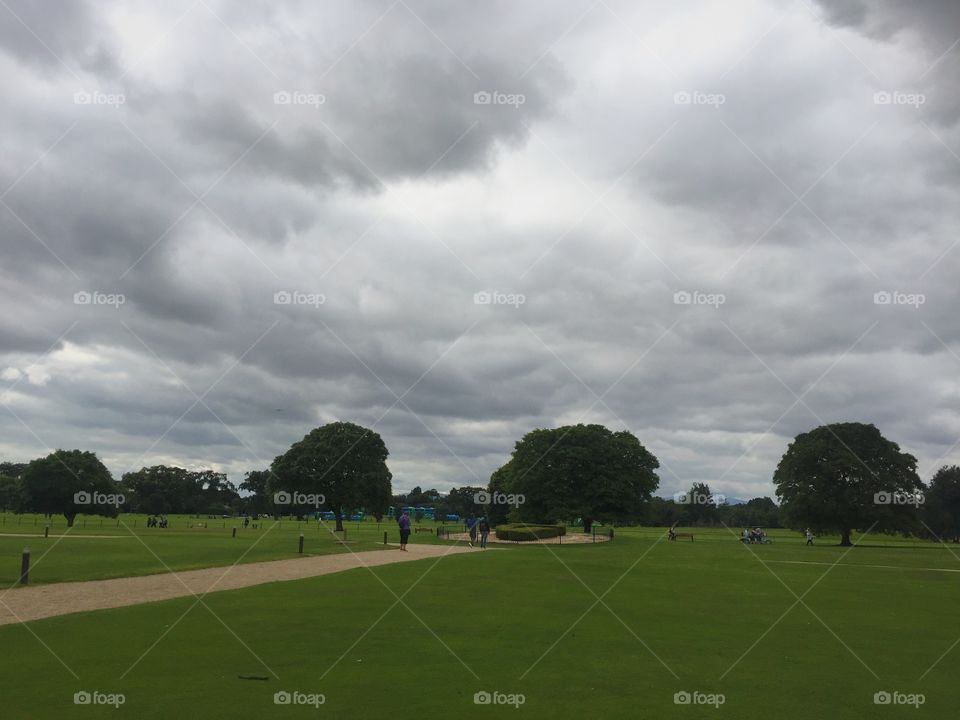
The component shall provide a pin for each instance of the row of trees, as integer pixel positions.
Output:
(839, 478)
(835, 478)
(69, 482)
(342, 463)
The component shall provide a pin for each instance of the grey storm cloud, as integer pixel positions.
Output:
(456, 222)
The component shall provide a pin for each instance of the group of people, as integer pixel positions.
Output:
(757, 535)
(475, 526)
(481, 526)
(153, 521)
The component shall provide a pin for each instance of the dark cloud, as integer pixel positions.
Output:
(382, 210)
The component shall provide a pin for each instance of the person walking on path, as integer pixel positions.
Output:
(472, 527)
(404, 523)
(484, 532)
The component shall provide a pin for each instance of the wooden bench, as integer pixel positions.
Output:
(674, 536)
(423, 529)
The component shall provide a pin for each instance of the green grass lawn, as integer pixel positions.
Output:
(710, 616)
(82, 553)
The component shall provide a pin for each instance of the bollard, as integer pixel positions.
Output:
(25, 566)
(234, 532)
(301, 543)
(384, 537)
(46, 531)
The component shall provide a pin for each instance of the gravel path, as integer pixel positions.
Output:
(32, 603)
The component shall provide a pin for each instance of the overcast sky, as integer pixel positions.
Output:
(486, 218)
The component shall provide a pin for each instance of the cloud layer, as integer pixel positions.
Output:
(715, 226)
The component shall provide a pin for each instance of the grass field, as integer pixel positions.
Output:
(104, 548)
(709, 617)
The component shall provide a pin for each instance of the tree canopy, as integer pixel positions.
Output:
(163, 489)
(70, 482)
(941, 509)
(343, 462)
(846, 476)
(578, 471)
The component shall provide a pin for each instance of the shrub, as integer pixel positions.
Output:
(522, 533)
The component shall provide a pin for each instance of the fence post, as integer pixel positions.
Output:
(234, 532)
(46, 531)
(384, 537)
(301, 543)
(25, 566)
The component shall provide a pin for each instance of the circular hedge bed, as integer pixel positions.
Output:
(519, 532)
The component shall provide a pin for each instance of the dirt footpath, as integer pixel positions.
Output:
(32, 603)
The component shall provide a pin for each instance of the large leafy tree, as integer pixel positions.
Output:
(941, 509)
(844, 477)
(585, 471)
(51, 484)
(344, 462)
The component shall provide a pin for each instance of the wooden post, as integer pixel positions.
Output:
(301, 543)
(234, 532)
(384, 537)
(46, 531)
(25, 566)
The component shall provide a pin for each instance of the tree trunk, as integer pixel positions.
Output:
(339, 527)
(70, 517)
(845, 538)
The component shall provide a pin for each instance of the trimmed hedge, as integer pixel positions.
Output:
(521, 533)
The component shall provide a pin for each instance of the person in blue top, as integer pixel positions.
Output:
(404, 523)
